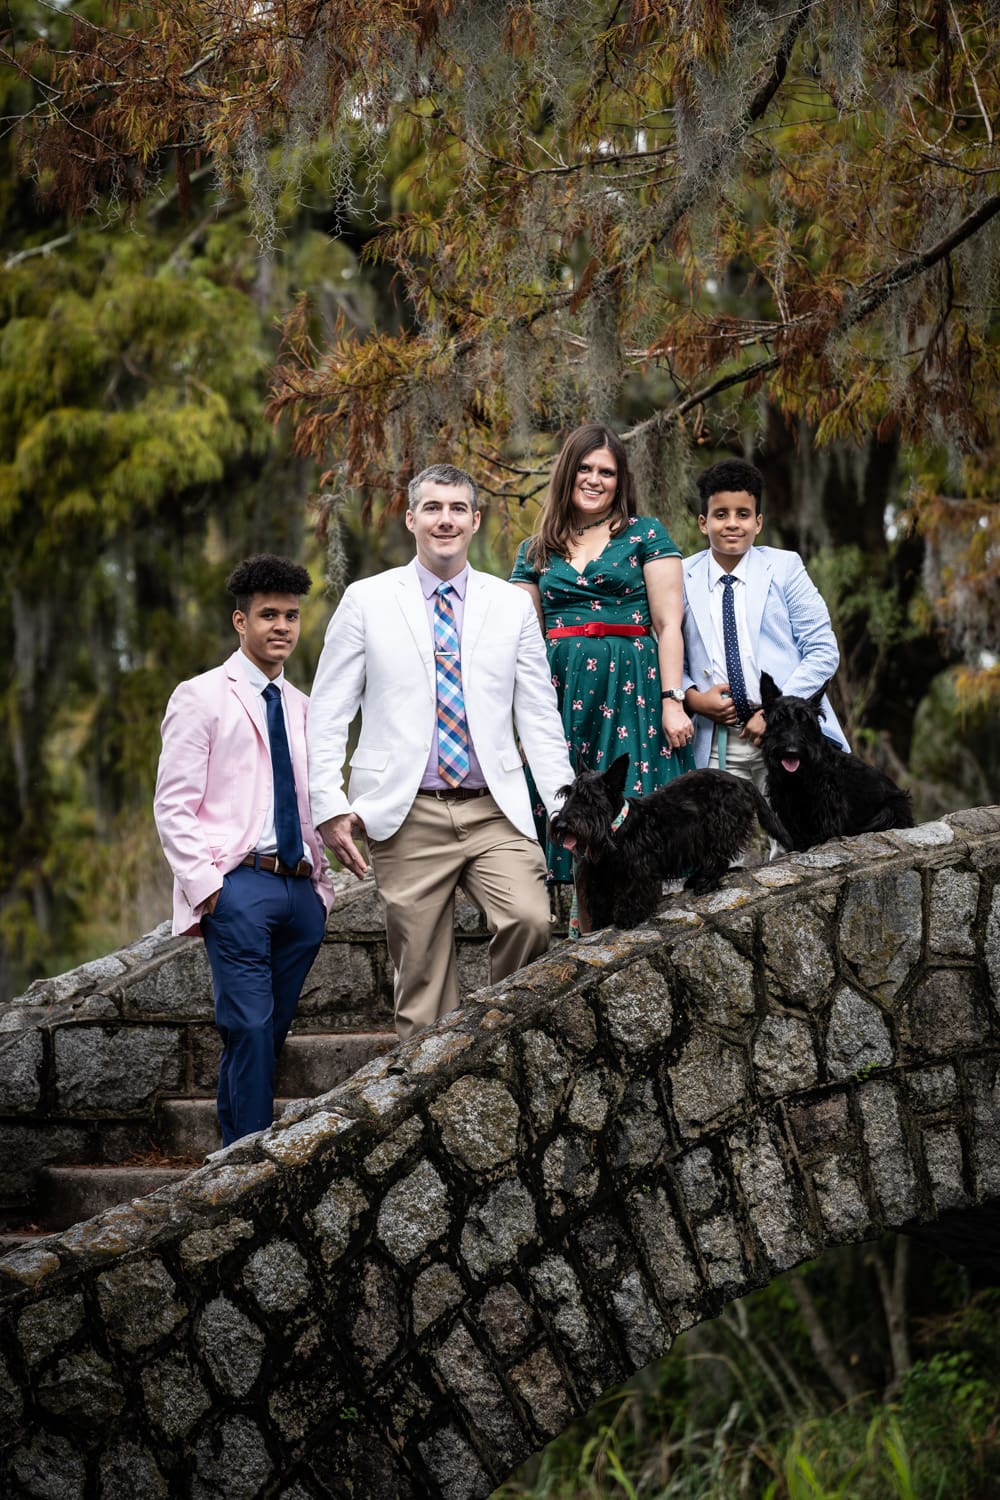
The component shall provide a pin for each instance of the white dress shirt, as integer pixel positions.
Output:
(267, 838)
(751, 671)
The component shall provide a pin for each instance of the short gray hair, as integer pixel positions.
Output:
(441, 474)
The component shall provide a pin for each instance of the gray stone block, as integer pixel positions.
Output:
(177, 986)
(82, 1386)
(717, 977)
(784, 1057)
(707, 1083)
(497, 1227)
(100, 1071)
(798, 952)
(540, 1385)
(888, 1154)
(277, 1277)
(414, 1213)
(946, 1013)
(954, 897)
(945, 1168)
(175, 1397)
(880, 931)
(478, 1120)
(643, 1331)
(128, 1471)
(21, 1062)
(436, 1290)
(139, 1303)
(767, 1185)
(857, 1037)
(231, 1459)
(638, 1006)
(231, 1346)
(841, 1201)
(473, 1387)
(44, 1326)
(506, 1319)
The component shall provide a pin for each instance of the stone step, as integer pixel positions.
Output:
(190, 1127)
(313, 1064)
(68, 1195)
(19, 1239)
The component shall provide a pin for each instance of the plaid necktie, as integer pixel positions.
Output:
(731, 641)
(453, 732)
(287, 827)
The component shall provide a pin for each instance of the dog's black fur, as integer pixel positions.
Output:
(694, 826)
(817, 790)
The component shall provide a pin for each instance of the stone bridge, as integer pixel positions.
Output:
(409, 1284)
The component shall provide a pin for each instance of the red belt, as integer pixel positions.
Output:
(595, 627)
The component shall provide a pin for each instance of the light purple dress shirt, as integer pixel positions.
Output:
(431, 780)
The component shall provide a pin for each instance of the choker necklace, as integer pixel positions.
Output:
(579, 530)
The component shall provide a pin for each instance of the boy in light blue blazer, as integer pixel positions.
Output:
(747, 609)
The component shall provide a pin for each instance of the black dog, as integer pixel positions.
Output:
(817, 790)
(694, 826)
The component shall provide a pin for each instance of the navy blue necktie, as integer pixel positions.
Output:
(286, 809)
(731, 641)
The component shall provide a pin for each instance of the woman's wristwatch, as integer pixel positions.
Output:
(676, 693)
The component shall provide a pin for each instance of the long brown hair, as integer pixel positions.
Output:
(555, 524)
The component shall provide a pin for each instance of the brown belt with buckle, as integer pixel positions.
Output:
(453, 793)
(272, 864)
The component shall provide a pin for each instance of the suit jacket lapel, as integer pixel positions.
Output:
(696, 589)
(240, 685)
(759, 572)
(413, 605)
(474, 617)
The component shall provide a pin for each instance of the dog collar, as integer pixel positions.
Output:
(620, 818)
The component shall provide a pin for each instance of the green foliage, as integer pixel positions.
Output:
(741, 1410)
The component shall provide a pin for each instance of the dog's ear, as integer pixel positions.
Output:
(769, 690)
(615, 775)
(581, 764)
(816, 701)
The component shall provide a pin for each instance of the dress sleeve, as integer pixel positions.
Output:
(524, 571)
(656, 540)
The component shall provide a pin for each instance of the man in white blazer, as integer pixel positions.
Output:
(232, 812)
(781, 624)
(442, 660)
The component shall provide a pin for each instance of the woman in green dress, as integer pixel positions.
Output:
(609, 593)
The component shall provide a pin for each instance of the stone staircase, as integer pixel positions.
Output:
(107, 1074)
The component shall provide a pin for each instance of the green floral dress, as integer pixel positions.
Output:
(608, 686)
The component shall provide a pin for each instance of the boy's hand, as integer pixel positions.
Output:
(753, 729)
(715, 704)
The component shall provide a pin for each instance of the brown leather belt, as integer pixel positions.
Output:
(595, 627)
(272, 864)
(453, 793)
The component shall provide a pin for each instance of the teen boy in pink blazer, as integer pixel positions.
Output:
(232, 812)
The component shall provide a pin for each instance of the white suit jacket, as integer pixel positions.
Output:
(789, 626)
(214, 784)
(379, 656)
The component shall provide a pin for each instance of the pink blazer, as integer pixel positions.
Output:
(214, 784)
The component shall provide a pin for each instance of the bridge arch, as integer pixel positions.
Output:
(413, 1282)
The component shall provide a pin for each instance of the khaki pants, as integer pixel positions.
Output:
(746, 761)
(440, 846)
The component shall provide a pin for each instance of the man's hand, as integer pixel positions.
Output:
(337, 834)
(209, 904)
(716, 704)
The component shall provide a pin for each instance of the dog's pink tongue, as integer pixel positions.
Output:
(790, 762)
(569, 842)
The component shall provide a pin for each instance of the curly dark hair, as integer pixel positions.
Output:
(732, 475)
(266, 574)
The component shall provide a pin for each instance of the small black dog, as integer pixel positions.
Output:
(694, 826)
(817, 790)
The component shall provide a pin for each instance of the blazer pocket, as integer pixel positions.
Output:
(510, 760)
(369, 760)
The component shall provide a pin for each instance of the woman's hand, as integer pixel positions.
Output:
(678, 730)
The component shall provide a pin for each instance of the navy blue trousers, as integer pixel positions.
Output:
(261, 941)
